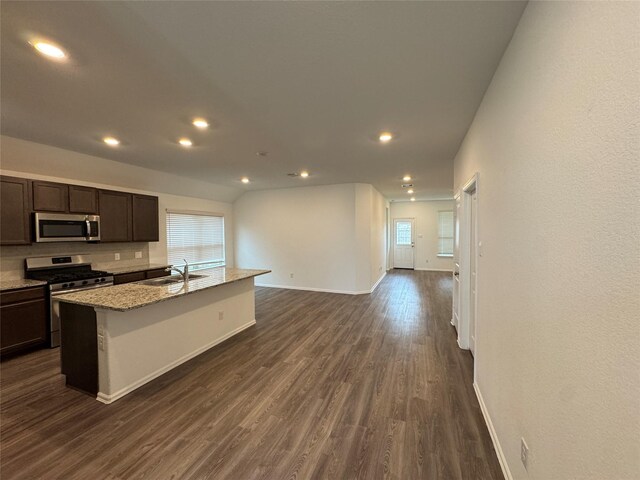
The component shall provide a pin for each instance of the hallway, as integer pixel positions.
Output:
(324, 386)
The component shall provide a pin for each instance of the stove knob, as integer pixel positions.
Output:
(84, 282)
(97, 280)
(72, 284)
(64, 285)
(103, 279)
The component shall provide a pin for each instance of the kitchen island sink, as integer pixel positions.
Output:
(159, 282)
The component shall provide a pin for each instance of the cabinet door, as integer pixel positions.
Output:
(15, 221)
(145, 218)
(115, 216)
(83, 199)
(128, 278)
(50, 197)
(23, 325)
(158, 272)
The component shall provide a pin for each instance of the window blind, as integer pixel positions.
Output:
(445, 233)
(198, 238)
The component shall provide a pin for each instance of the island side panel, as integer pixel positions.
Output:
(142, 344)
(79, 347)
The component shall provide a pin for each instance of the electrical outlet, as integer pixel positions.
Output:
(220, 315)
(524, 453)
(291, 275)
(117, 256)
(138, 254)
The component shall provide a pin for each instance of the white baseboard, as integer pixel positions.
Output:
(375, 285)
(494, 436)
(434, 270)
(129, 388)
(324, 290)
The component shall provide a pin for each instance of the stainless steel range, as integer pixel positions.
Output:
(64, 274)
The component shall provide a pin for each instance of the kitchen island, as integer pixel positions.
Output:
(116, 339)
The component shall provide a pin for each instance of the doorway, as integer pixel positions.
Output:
(403, 243)
(465, 280)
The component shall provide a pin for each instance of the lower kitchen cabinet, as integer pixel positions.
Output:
(121, 278)
(23, 319)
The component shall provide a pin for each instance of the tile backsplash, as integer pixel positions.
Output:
(102, 255)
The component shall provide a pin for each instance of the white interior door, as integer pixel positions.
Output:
(403, 243)
(456, 265)
(472, 271)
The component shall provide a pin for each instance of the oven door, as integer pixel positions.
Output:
(51, 227)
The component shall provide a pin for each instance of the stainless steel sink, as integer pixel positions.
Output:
(159, 282)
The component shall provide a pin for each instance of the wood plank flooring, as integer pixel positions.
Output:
(324, 386)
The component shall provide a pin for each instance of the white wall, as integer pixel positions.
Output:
(556, 144)
(426, 235)
(32, 160)
(322, 235)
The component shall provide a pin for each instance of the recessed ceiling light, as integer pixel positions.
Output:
(114, 142)
(410, 191)
(244, 180)
(200, 122)
(185, 142)
(49, 50)
(406, 178)
(385, 137)
(304, 174)
(413, 199)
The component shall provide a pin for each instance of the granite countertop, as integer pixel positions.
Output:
(135, 268)
(129, 296)
(19, 283)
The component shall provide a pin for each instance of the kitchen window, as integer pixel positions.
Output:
(445, 233)
(195, 237)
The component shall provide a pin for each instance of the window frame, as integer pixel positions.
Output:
(441, 237)
(199, 265)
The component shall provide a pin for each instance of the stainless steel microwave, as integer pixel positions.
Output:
(64, 227)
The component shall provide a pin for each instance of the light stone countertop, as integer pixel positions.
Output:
(135, 268)
(129, 296)
(18, 283)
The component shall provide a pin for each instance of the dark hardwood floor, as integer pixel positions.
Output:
(324, 386)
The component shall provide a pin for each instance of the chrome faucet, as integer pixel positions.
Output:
(184, 272)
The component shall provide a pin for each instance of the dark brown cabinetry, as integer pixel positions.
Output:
(145, 218)
(138, 276)
(23, 319)
(15, 208)
(115, 216)
(128, 278)
(124, 217)
(83, 199)
(50, 197)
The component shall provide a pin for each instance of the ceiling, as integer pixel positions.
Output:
(311, 83)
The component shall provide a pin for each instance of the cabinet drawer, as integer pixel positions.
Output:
(23, 325)
(22, 295)
(128, 278)
(158, 272)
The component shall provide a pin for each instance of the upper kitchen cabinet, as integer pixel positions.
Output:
(145, 218)
(83, 199)
(50, 197)
(115, 216)
(15, 225)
